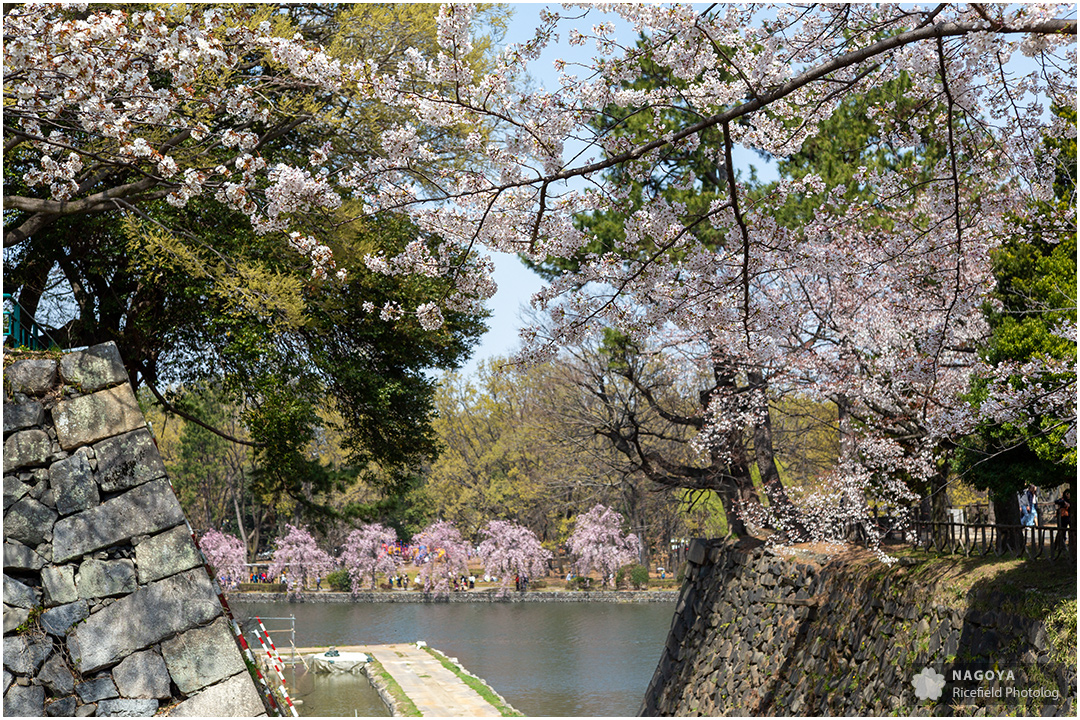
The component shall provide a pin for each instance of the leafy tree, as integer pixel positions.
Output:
(1032, 316)
(301, 560)
(227, 555)
(509, 549)
(445, 558)
(208, 472)
(520, 445)
(190, 268)
(365, 554)
(598, 543)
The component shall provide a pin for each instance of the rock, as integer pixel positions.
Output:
(97, 578)
(146, 509)
(64, 707)
(58, 620)
(59, 583)
(166, 554)
(29, 522)
(26, 448)
(86, 710)
(236, 697)
(98, 689)
(202, 656)
(74, 483)
(14, 488)
(14, 617)
(127, 708)
(17, 556)
(55, 675)
(23, 655)
(142, 675)
(128, 460)
(95, 368)
(8, 677)
(31, 377)
(24, 701)
(87, 419)
(18, 594)
(147, 616)
(20, 417)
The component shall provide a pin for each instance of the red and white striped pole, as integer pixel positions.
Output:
(240, 639)
(273, 663)
(270, 640)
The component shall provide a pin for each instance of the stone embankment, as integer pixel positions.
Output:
(764, 632)
(472, 596)
(108, 608)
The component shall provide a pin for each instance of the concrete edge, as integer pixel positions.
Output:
(412, 596)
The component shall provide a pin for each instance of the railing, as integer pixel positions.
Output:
(21, 329)
(291, 629)
(982, 539)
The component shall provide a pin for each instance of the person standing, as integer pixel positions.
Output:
(1028, 513)
(1065, 517)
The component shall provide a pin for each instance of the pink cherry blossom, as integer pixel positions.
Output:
(226, 554)
(366, 554)
(598, 543)
(300, 559)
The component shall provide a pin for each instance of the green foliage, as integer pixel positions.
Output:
(669, 178)
(338, 580)
(636, 575)
(1035, 298)
(193, 297)
(32, 626)
(1061, 632)
(846, 141)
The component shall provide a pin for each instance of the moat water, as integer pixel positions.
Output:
(559, 659)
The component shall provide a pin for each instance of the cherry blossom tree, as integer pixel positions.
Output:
(301, 560)
(509, 549)
(114, 110)
(598, 543)
(874, 302)
(227, 556)
(444, 556)
(366, 554)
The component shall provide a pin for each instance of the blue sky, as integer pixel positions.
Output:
(516, 282)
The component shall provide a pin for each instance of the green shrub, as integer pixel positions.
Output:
(339, 580)
(636, 576)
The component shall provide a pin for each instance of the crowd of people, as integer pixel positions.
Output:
(262, 577)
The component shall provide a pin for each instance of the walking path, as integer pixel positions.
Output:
(435, 690)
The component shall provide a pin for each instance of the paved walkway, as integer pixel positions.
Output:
(434, 690)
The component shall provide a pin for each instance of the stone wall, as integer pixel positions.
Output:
(108, 608)
(480, 596)
(759, 632)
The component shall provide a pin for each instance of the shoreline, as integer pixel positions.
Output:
(474, 596)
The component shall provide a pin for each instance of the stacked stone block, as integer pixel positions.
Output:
(108, 609)
(759, 633)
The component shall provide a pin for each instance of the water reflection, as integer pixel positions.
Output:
(337, 695)
(565, 659)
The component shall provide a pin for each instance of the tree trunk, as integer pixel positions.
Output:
(939, 505)
(1007, 512)
(240, 526)
(765, 457)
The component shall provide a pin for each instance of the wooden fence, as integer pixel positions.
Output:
(982, 539)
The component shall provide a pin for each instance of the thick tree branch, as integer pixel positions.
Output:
(191, 418)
